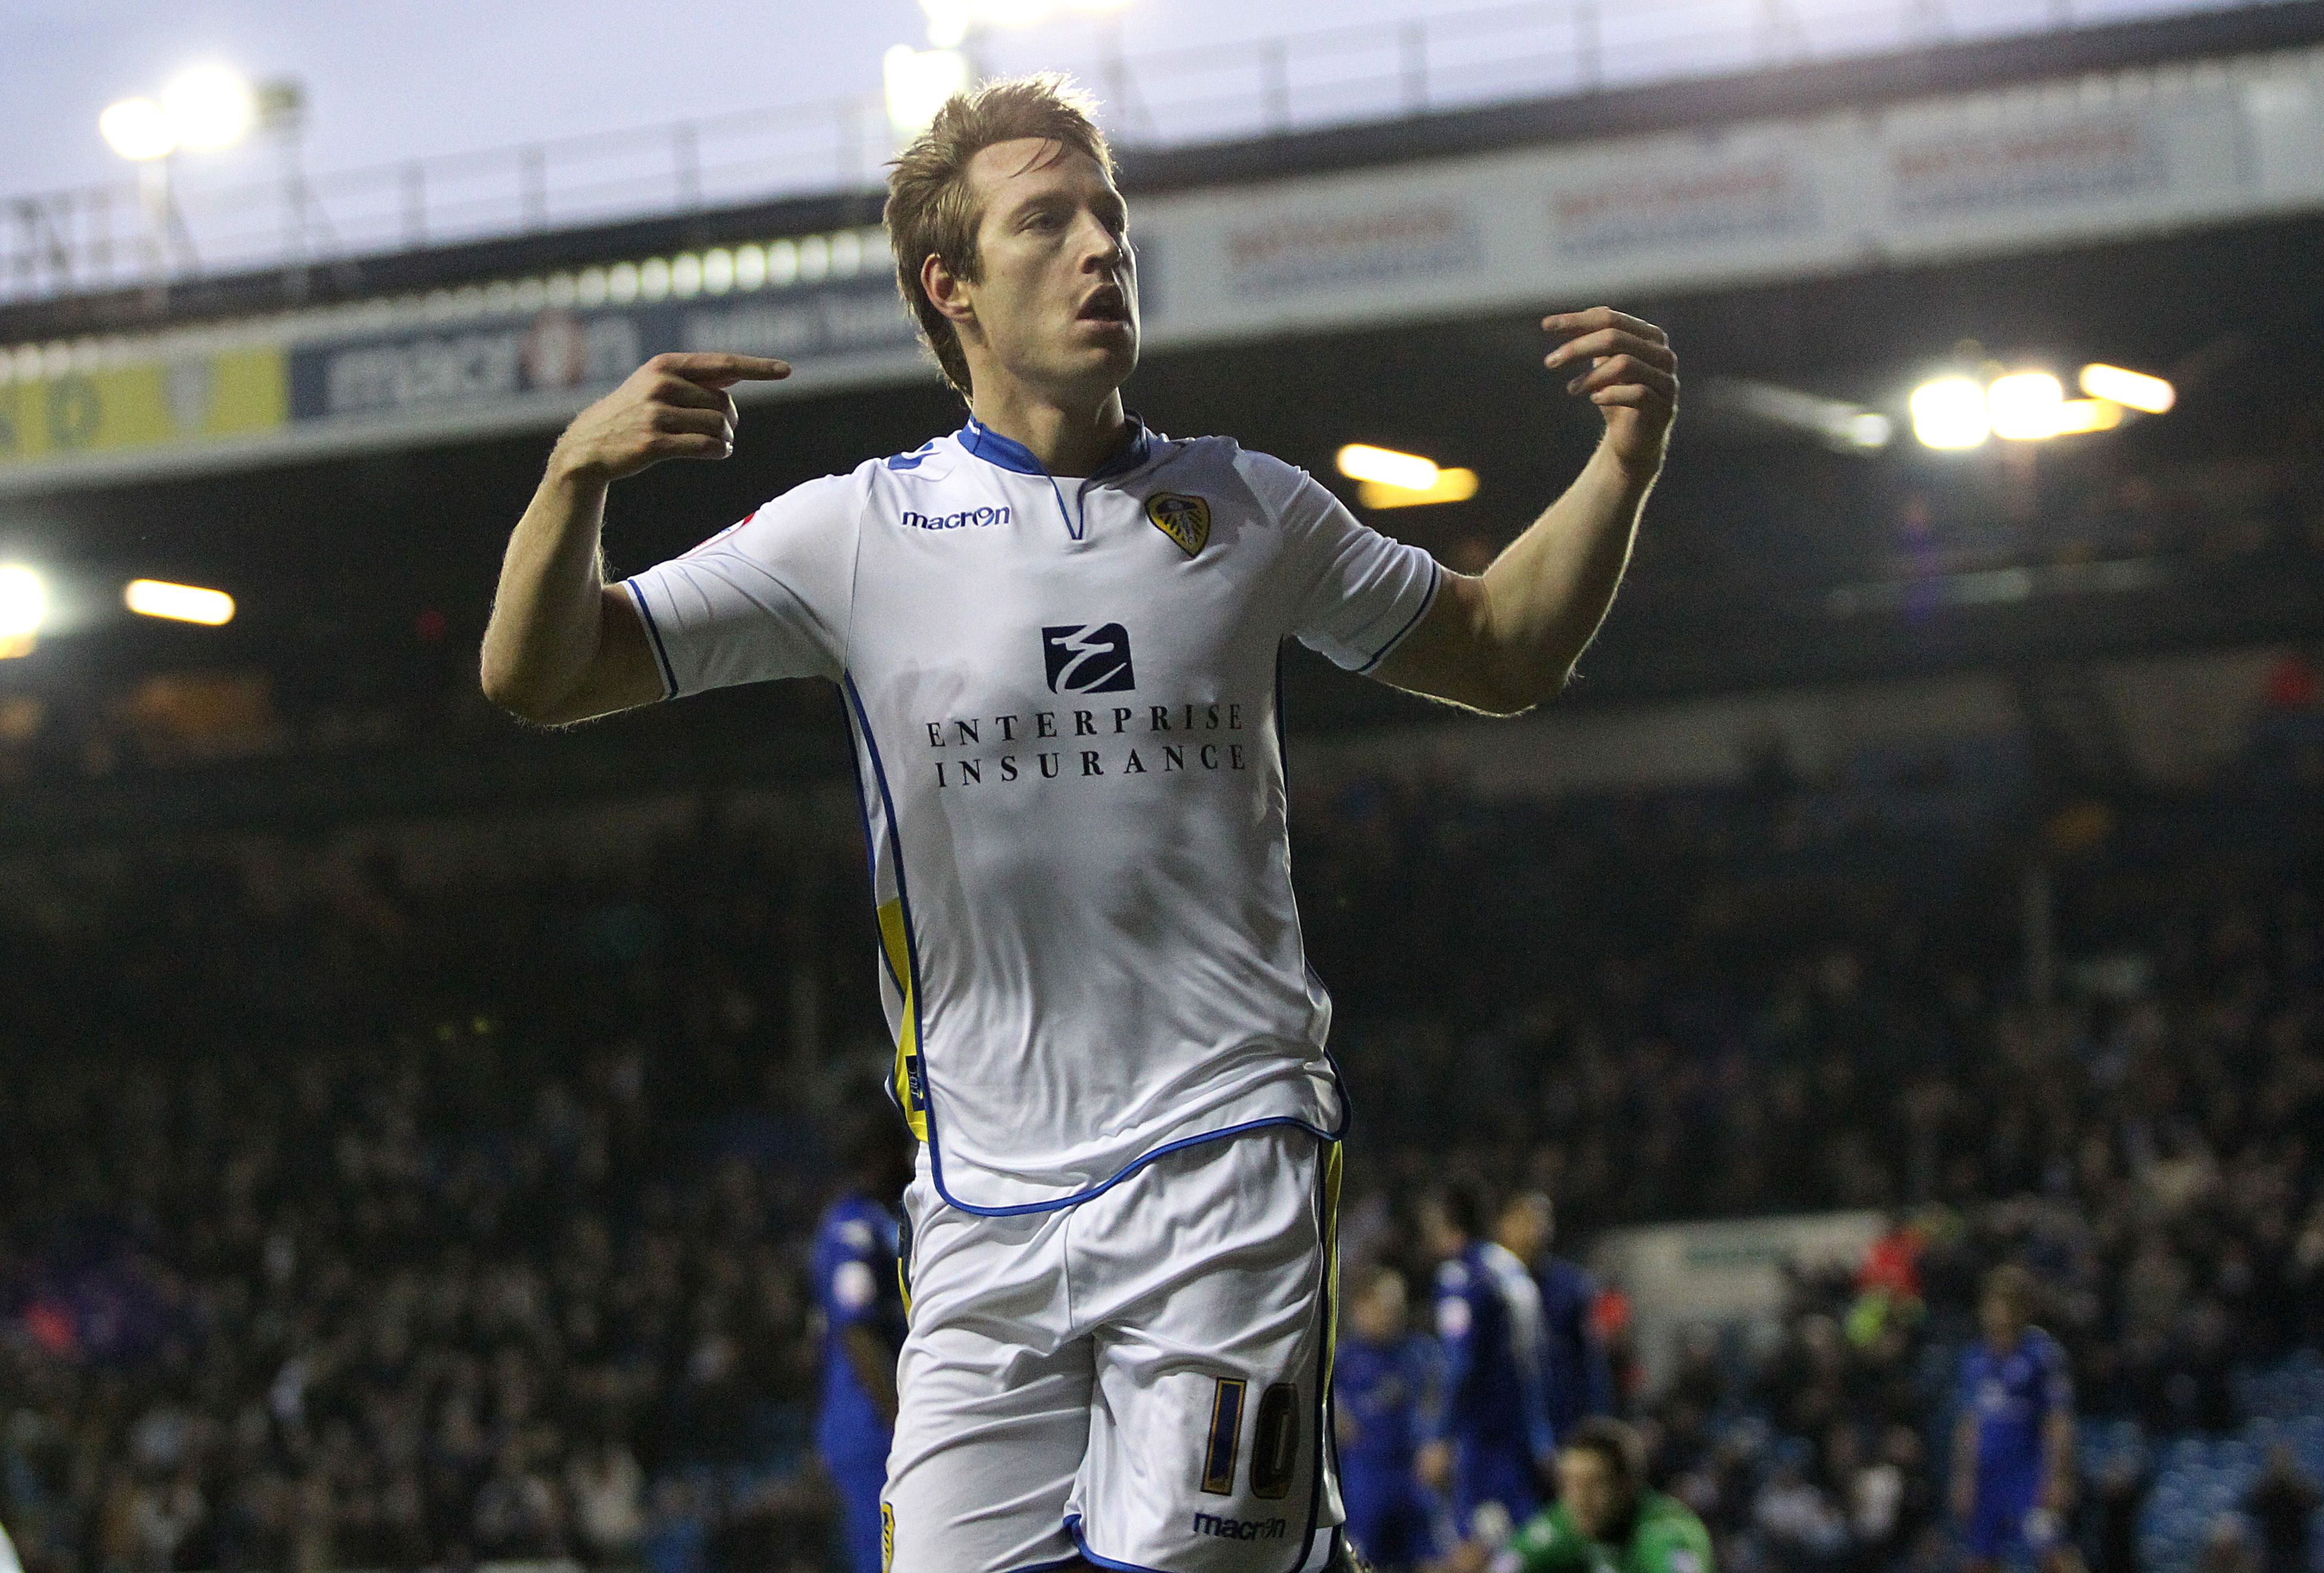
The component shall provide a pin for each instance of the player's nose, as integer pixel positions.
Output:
(1102, 251)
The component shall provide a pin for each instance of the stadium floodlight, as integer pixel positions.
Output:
(1388, 467)
(1950, 413)
(1836, 422)
(138, 129)
(209, 107)
(917, 83)
(2025, 406)
(2077, 416)
(24, 608)
(1869, 430)
(178, 603)
(950, 22)
(1451, 485)
(2136, 390)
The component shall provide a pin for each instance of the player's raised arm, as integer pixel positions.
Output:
(561, 646)
(1506, 640)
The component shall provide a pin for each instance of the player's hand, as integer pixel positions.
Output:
(673, 407)
(1626, 368)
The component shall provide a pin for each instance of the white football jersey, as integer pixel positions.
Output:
(1063, 696)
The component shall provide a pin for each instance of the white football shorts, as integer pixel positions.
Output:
(1139, 1380)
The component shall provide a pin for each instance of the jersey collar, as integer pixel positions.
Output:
(1009, 454)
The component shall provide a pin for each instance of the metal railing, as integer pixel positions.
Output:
(179, 221)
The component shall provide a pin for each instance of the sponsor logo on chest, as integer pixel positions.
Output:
(1108, 742)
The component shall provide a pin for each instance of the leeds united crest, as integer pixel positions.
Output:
(1185, 520)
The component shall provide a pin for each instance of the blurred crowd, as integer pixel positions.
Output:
(452, 1204)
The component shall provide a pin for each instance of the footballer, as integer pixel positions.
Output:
(1056, 634)
(1606, 1519)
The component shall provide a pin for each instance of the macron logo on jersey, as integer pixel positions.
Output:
(1086, 659)
(966, 518)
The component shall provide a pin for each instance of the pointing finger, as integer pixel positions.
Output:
(718, 368)
(1623, 370)
(1603, 317)
(1612, 341)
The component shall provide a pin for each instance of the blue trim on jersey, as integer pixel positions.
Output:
(653, 632)
(913, 460)
(904, 904)
(1298, 924)
(989, 446)
(1073, 1528)
(871, 862)
(1007, 453)
(920, 1021)
(1436, 583)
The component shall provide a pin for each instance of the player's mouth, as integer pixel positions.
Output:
(1106, 303)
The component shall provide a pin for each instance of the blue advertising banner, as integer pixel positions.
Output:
(580, 350)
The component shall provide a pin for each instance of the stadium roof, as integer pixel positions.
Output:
(1789, 90)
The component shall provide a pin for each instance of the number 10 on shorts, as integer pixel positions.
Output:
(1275, 1441)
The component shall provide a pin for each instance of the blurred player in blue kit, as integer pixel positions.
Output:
(1491, 1446)
(1578, 1378)
(860, 1298)
(1384, 1382)
(2014, 1441)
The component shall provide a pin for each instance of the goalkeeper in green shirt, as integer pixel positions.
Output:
(1605, 1520)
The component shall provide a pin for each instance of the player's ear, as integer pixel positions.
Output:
(946, 290)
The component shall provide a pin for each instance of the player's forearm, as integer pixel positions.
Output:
(1547, 592)
(547, 616)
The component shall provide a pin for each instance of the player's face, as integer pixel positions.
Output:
(1587, 1485)
(1056, 298)
(1437, 1233)
(1525, 1229)
(2003, 1320)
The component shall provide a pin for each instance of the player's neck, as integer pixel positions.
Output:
(1069, 439)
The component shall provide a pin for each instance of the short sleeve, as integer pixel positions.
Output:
(1356, 592)
(770, 597)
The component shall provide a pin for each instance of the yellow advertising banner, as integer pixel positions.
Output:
(193, 398)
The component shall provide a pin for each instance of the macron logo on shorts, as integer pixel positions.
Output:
(1083, 658)
(1239, 1529)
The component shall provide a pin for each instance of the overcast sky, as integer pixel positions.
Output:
(391, 79)
(388, 80)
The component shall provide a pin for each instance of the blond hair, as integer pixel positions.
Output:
(932, 209)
